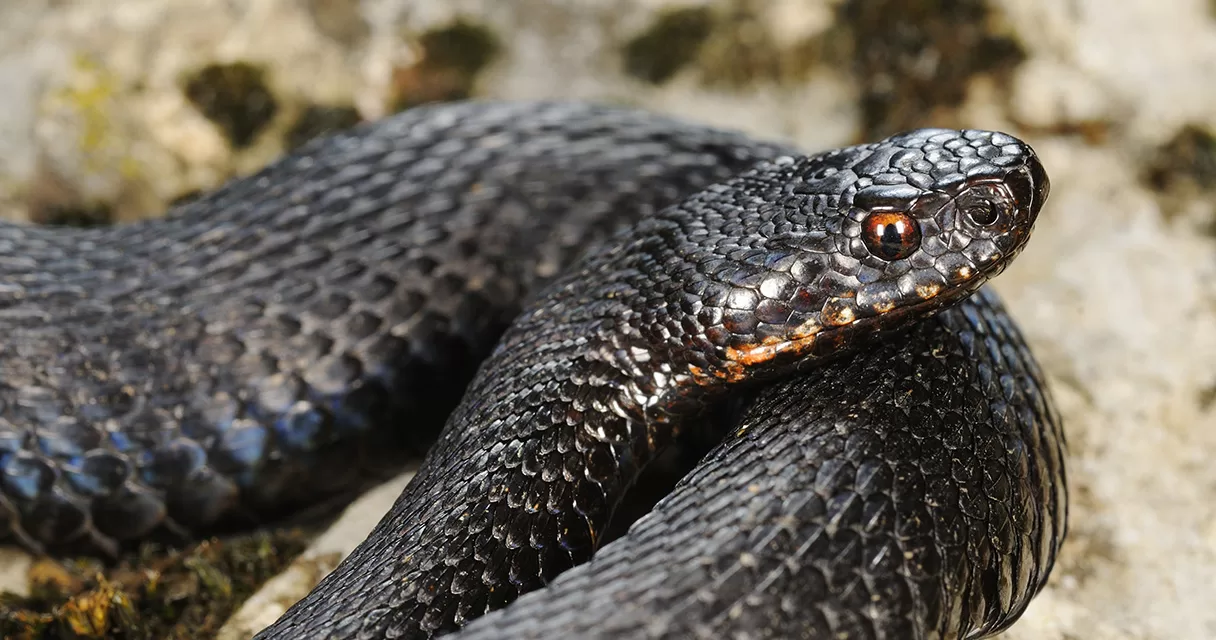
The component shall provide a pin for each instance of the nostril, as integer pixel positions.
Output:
(983, 213)
(1041, 182)
(1022, 186)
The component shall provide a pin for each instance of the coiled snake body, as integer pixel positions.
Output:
(895, 470)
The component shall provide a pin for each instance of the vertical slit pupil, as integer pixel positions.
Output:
(893, 236)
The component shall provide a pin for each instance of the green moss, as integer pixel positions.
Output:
(91, 96)
(672, 42)
(914, 59)
(1182, 170)
(453, 57)
(155, 594)
(317, 120)
(186, 197)
(1207, 397)
(728, 46)
(1187, 161)
(74, 215)
(461, 46)
(235, 97)
(743, 51)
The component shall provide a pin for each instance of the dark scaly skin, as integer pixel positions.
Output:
(924, 502)
(589, 385)
(758, 276)
(253, 351)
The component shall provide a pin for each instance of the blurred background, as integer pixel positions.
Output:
(111, 111)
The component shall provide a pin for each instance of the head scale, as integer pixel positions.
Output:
(877, 235)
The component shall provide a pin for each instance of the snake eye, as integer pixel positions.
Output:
(890, 235)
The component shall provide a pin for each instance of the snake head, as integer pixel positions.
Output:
(934, 211)
(867, 239)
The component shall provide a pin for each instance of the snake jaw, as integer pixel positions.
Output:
(800, 343)
(759, 354)
(928, 291)
(863, 240)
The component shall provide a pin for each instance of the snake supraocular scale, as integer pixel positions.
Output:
(896, 470)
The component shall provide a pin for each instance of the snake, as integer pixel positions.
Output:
(546, 302)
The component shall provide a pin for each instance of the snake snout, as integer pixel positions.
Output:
(857, 248)
(1029, 186)
(1024, 189)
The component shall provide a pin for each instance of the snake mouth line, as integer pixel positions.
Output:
(767, 351)
(740, 361)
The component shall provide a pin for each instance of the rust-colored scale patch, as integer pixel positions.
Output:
(768, 350)
(733, 372)
(740, 359)
(811, 340)
(838, 312)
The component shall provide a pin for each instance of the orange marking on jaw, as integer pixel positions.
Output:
(733, 372)
(839, 311)
(738, 359)
(884, 306)
(927, 291)
(800, 342)
(751, 355)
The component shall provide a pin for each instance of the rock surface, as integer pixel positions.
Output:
(106, 114)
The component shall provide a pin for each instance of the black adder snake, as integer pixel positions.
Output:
(895, 470)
